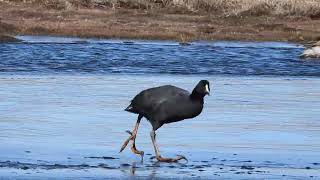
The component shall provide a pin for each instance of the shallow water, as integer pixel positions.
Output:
(47, 55)
(72, 124)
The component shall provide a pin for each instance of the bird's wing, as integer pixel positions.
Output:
(148, 101)
(171, 97)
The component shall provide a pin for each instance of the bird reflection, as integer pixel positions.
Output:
(152, 168)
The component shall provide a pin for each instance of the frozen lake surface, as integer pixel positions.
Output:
(62, 102)
(264, 126)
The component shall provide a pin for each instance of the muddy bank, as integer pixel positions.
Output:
(5, 38)
(7, 29)
(105, 22)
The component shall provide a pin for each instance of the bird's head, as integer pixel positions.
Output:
(202, 89)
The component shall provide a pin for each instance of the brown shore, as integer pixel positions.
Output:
(18, 18)
(6, 38)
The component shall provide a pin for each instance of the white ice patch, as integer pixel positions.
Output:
(313, 52)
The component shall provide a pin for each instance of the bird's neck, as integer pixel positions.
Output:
(195, 96)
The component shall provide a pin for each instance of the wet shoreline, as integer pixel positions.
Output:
(221, 165)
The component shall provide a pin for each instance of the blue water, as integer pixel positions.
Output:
(62, 101)
(47, 55)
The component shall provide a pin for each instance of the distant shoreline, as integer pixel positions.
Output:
(160, 24)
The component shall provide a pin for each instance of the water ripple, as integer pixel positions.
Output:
(49, 55)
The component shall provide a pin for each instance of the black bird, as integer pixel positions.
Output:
(163, 105)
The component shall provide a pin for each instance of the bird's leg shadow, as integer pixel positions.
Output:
(132, 137)
(133, 169)
(158, 156)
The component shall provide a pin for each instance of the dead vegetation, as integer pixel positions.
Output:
(309, 8)
(181, 20)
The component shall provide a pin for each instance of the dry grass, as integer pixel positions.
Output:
(255, 7)
(310, 8)
(182, 20)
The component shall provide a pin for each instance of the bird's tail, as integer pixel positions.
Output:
(129, 108)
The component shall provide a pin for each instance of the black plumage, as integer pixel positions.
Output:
(166, 104)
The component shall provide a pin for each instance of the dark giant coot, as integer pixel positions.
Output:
(162, 105)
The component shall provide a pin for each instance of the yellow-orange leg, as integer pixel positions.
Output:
(158, 156)
(132, 137)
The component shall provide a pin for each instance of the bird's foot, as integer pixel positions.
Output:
(133, 147)
(136, 151)
(170, 160)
